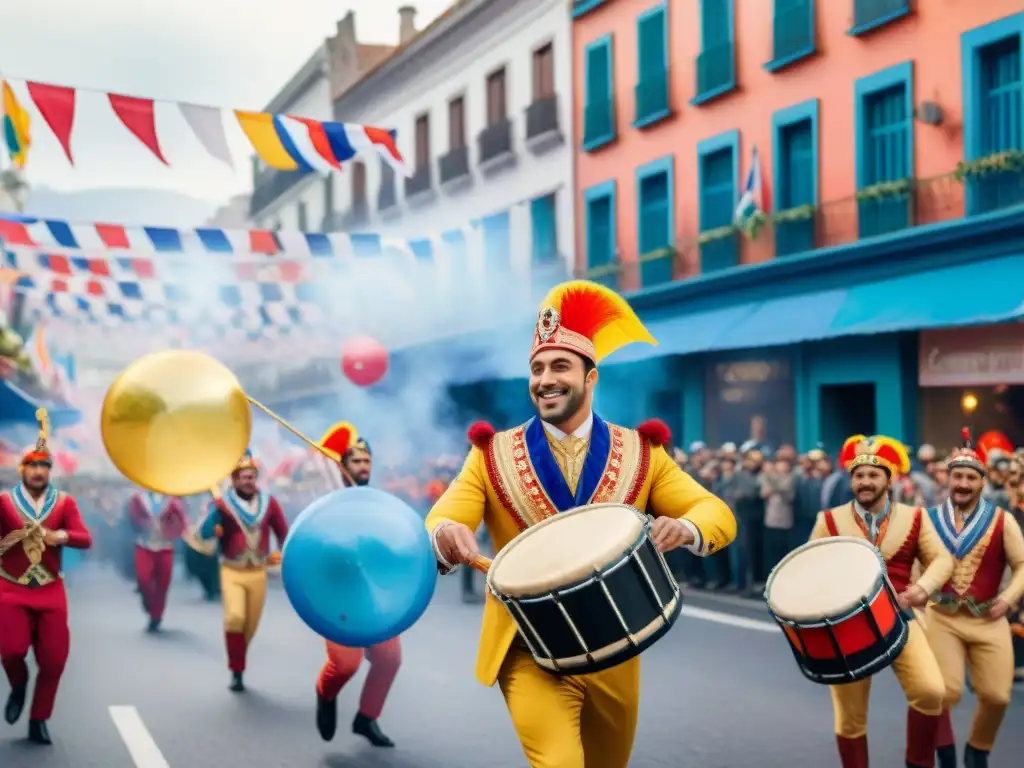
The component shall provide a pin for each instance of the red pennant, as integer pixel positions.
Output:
(139, 118)
(57, 106)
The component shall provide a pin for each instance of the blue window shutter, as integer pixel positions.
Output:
(718, 209)
(600, 249)
(1000, 122)
(654, 213)
(886, 158)
(545, 234)
(651, 45)
(715, 23)
(598, 66)
(797, 172)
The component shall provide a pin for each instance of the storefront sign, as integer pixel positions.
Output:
(983, 356)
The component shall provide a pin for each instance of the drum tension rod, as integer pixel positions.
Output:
(872, 622)
(837, 649)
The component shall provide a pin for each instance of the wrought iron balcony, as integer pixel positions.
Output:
(454, 165)
(270, 185)
(651, 97)
(871, 14)
(419, 182)
(495, 140)
(716, 71)
(598, 123)
(542, 118)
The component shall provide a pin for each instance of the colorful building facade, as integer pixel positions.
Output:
(791, 191)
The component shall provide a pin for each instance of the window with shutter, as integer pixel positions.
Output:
(796, 175)
(651, 93)
(497, 109)
(885, 157)
(598, 110)
(717, 171)
(544, 72)
(544, 231)
(1000, 122)
(792, 32)
(716, 63)
(600, 231)
(654, 222)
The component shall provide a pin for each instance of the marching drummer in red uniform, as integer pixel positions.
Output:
(967, 620)
(36, 522)
(158, 523)
(355, 461)
(244, 520)
(902, 534)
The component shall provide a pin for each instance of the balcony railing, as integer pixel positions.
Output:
(387, 197)
(792, 30)
(542, 117)
(884, 209)
(454, 165)
(651, 97)
(270, 185)
(598, 123)
(495, 140)
(344, 221)
(870, 14)
(716, 71)
(419, 182)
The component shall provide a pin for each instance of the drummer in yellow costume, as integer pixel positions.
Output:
(902, 534)
(569, 457)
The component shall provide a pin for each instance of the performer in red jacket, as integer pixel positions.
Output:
(36, 522)
(158, 524)
(243, 521)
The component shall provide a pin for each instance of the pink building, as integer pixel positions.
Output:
(788, 190)
(672, 98)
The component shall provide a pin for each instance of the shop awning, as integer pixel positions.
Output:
(686, 334)
(966, 294)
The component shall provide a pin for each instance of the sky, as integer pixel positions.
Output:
(234, 54)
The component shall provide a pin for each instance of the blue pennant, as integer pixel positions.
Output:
(549, 474)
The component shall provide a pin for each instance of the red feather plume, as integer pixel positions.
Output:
(656, 432)
(586, 311)
(480, 433)
(965, 435)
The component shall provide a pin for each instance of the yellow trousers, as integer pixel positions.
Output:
(585, 721)
(985, 646)
(918, 673)
(244, 592)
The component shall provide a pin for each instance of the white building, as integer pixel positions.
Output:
(234, 214)
(481, 100)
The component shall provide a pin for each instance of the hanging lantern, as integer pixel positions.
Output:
(364, 361)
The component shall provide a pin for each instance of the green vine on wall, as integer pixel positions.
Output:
(1009, 161)
(884, 190)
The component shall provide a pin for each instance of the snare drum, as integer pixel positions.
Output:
(587, 588)
(835, 603)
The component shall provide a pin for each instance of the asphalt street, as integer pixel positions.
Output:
(720, 691)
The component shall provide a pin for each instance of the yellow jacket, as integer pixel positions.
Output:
(495, 484)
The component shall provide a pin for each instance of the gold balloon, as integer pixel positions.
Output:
(176, 422)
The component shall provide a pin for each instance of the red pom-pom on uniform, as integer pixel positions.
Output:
(656, 432)
(480, 433)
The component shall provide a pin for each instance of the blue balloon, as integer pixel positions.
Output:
(358, 567)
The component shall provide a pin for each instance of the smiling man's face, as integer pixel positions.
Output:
(560, 385)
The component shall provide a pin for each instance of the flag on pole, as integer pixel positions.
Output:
(752, 205)
(16, 128)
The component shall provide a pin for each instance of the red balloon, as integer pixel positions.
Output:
(993, 440)
(364, 361)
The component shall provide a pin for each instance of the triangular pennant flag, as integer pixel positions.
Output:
(57, 106)
(208, 126)
(138, 117)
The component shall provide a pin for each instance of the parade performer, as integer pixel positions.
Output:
(355, 463)
(966, 622)
(567, 457)
(158, 524)
(902, 534)
(36, 522)
(243, 520)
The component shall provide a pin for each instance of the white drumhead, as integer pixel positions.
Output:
(564, 549)
(826, 577)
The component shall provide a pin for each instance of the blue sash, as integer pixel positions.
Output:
(24, 503)
(975, 526)
(550, 476)
(241, 509)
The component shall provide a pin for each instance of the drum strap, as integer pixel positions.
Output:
(830, 523)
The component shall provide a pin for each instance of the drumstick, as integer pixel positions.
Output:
(481, 564)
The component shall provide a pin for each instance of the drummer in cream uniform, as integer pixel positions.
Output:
(902, 534)
(569, 457)
(966, 621)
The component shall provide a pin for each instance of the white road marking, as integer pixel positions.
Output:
(135, 735)
(733, 621)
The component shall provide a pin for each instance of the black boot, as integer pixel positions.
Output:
(368, 728)
(38, 733)
(327, 717)
(975, 758)
(946, 756)
(15, 704)
(154, 626)
(236, 683)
